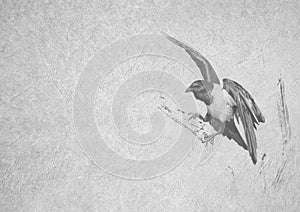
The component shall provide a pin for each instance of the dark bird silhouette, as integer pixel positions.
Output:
(225, 104)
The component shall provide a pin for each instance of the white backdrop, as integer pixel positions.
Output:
(44, 48)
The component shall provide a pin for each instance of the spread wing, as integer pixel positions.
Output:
(247, 112)
(203, 64)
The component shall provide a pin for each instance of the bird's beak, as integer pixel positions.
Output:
(189, 89)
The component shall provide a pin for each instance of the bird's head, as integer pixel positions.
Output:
(199, 86)
(201, 90)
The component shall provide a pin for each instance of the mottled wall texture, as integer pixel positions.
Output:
(45, 49)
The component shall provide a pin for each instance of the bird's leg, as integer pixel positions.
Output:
(218, 126)
(211, 138)
(206, 118)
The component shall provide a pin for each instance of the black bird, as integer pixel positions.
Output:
(226, 104)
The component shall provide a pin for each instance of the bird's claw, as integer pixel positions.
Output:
(209, 139)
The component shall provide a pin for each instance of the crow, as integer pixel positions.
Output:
(226, 105)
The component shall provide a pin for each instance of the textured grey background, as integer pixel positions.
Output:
(44, 47)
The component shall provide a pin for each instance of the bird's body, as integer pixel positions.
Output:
(221, 105)
(225, 104)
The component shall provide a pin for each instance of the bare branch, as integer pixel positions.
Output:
(182, 118)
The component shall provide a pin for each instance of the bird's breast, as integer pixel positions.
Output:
(221, 107)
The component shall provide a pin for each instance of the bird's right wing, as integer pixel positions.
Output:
(247, 111)
(232, 87)
(203, 64)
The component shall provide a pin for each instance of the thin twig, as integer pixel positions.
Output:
(180, 117)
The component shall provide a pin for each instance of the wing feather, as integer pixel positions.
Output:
(203, 64)
(256, 113)
(247, 111)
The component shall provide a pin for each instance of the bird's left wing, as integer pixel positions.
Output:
(247, 112)
(203, 64)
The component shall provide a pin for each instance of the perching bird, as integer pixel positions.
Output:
(226, 104)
